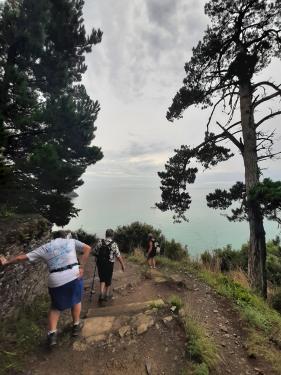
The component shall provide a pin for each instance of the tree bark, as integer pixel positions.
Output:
(257, 246)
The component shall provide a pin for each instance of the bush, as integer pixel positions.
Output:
(87, 238)
(176, 301)
(174, 250)
(135, 235)
(276, 301)
(225, 259)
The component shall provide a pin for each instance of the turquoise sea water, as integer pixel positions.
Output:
(108, 203)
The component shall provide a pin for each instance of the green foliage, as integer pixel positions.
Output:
(83, 236)
(276, 300)
(174, 250)
(254, 309)
(22, 334)
(268, 194)
(135, 235)
(200, 349)
(176, 301)
(47, 118)
(263, 323)
(201, 369)
(229, 259)
(226, 258)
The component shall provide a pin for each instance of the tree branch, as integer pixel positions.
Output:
(232, 138)
(271, 115)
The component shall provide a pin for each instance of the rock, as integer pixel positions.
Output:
(167, 319)
(142, 328)
(259, 371)
(93, 339)
(173, 308)
(215, 311)
(142, 319)
(182, 312)
(152, 311)
(79, 346)
(97, 326)
(223, 328)
(142, 322)
(123, 331)
(178, 280)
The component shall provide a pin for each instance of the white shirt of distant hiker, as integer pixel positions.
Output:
(57, 254)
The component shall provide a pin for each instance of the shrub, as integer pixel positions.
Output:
(135, 235)
(83, 236)
(276, 301)
(176, 301)
(174, 250)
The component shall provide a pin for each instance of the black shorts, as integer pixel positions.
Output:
(105, 270)
(152, 254)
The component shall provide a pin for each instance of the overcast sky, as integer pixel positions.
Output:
(134, 73)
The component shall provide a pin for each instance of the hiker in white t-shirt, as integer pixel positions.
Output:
(65, 279)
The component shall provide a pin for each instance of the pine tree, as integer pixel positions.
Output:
(222, 73)
(47, 118)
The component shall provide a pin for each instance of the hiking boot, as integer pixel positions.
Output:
(109, 297)
(76, 329)
(52, 339)
(101, 297)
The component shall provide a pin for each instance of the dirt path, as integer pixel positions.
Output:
(128, 336)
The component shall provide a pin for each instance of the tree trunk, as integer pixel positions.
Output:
(257, 248)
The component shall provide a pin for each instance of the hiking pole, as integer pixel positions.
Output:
(93, 283)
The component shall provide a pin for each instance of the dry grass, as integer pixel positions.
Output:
(239, 276)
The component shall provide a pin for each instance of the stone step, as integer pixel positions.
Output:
(126, 309)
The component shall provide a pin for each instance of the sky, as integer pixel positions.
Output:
(134, 73)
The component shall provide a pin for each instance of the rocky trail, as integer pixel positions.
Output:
(137, 333)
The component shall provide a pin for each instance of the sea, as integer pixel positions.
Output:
(111, 202)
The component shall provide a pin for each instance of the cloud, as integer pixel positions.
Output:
(142, 40)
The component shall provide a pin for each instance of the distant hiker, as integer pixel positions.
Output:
(65, 279)
(152, 250)
(105, 252)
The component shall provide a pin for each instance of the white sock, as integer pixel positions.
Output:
(76, 323)
(53, 331)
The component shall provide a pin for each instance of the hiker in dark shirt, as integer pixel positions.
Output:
(151, 251)
(105, 252)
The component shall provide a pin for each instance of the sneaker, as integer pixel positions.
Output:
(108, 297)
(52, 339)
(76, 328)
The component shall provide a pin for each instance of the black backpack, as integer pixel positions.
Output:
(156, 247)
(103, 255)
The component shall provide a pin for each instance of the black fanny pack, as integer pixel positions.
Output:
(64, 268)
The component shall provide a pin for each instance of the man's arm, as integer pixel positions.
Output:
(120, 260)
(17, 259)
(83, 260)
(149, 248)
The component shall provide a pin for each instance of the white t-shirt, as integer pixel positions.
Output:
(59, 253)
